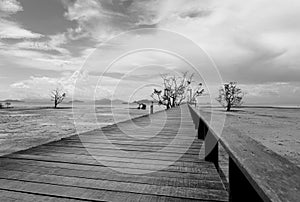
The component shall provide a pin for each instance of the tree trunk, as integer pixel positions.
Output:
(228, 107)
(55, 104)
(173, 102)
(169, 105)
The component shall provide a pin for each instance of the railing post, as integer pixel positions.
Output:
(202, 129)
(212, 149)
(240, 188)
(151, 108)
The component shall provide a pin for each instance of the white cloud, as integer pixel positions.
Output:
(20, 85)
(88, 15)
(10, 6)
(38, 60)
(43, 85)
(81, 85)
(296, 90)
(104, 19)
(32, 54)
(254, 42)
(272, 89)
(9, 29)
(247, 37)
(83, 10)
(53, 43)
(242, 37)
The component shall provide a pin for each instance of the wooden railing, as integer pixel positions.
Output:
(255, 172)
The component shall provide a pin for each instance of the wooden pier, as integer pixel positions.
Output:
(162, 160)
(66, 171)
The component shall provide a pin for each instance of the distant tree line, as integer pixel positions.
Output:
(175, 90)
(8, 104)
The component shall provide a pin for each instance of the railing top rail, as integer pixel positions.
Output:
(273, 177)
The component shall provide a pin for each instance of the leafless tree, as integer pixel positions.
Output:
(230, 95)
(175, 90)
(57, 97)
(7, 104)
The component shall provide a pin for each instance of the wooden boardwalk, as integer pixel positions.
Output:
(87, 168)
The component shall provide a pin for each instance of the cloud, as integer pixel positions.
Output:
(26, 58)
(272, 93)
(20, 85)
(239, 42)
(47, 53)
(12, 30)
(53, 43)
(83, 11)
(91, 18)
(247, 38)
(10, 6)
(104, 19)
(195, 13)
(43, 85)
(296, 90)
(272, 89)
(255, 42)
(85, 84)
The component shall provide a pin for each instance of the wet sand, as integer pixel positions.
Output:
(25, 127)
(21, 128)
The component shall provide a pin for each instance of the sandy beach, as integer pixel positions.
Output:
(23, 127)
(275, 127)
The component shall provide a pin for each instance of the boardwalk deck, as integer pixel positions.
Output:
(70, 170)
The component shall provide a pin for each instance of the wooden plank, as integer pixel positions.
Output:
(111, 152)
(137, 188)
(94, 171)
(76, 192)
(187, 161)
(206, 182)
(133, 164)
(66, 169)
(128, 147)
(166, 151)
(113, 155)
(9, 196)
(130, 167)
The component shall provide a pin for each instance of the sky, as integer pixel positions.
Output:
(45, 44)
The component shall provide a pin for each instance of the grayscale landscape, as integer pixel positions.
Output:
(149, 100)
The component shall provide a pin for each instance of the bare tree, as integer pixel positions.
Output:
(230, 95)
(198, 91)
(175, 89)
(57, 97)
(7, 104)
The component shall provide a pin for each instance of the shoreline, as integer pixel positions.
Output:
(22, 128)
(72, 134)
(275, 127)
